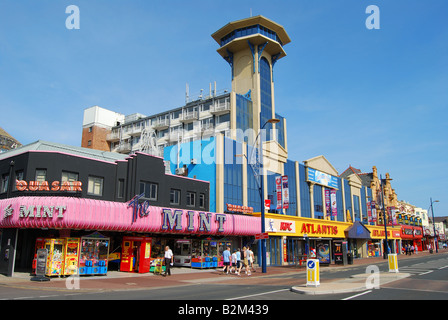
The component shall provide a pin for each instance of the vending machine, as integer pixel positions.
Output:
(94, 254)
(136, 254)
(55, 260)
(72, 246)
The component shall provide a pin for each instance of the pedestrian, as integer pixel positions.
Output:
(246, 260)
(168, 261)
(251, 260)
(412, 249)
(416, 249)
(238, 261)
(226, 259)
(234, 263)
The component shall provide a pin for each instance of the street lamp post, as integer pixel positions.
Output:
(386, 244)
(261, 190)
(434, 225)
(263, 222)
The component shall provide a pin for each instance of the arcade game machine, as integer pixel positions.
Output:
(182, 253)
(204, 254)
(55, 260)
(71, 256)
(94, 254)
(136, 254)
(40, 244)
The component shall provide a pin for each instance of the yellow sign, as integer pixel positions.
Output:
(312, 272)
(378, 232)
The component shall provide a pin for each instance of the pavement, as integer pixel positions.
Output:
(118, 281)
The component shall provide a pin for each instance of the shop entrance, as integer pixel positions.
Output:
(136, 254)
(320, 249)
(274, 250)
(295, 250)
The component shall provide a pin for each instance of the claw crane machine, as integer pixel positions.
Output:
(55, 260)
(94, 254)
(72, 246)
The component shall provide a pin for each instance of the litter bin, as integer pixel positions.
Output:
(349, 258)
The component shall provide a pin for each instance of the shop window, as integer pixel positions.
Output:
(175, 196)
(191, 199)
(95, 186)
(149, 189)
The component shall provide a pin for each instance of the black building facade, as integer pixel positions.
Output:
(47, 169)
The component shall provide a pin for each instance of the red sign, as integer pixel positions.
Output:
(285, 226)
(267, 204)
(238, 208)
(262, 236)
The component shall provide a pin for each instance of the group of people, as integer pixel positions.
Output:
(233, 262)
(237, 260)
(410, 249)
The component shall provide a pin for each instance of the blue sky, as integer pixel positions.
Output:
(359, 97)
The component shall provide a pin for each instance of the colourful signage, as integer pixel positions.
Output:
(322, 178)
(22, 185)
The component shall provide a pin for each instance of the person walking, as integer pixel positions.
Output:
(238, 262)
(251, 259)
(226, 259)
(246, 260)
(234, 267)
(168, 261)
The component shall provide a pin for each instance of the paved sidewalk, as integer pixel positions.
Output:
(115, 280)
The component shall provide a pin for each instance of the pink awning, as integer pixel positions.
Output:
(89, 214)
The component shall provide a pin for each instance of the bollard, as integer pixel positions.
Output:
(312, 273)
(393, 262)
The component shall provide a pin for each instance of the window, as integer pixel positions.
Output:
(149, 189)
(120, 191)
(90, 129)
(41, 175)
(95, 186)
(202, 200)
(175, 196)
(19, 176)
(223, 118)
(5, 182)
(69, 176)
(89, 143)
(191, 199)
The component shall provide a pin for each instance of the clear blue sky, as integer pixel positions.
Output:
(359, 97)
